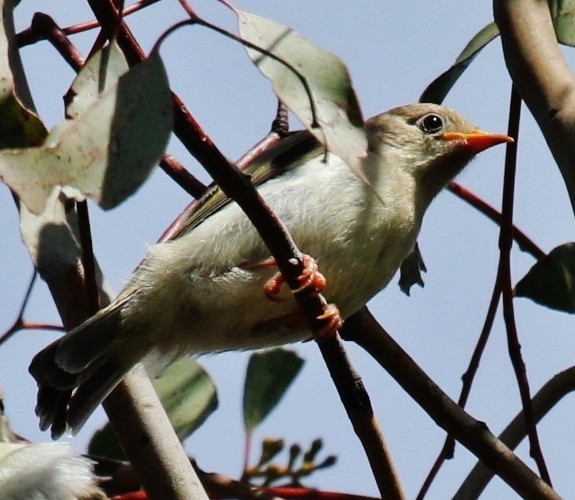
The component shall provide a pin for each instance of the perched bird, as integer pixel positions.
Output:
(202, 291)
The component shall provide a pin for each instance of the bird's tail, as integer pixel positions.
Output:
(76, 372)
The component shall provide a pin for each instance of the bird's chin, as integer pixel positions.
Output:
(438, 174)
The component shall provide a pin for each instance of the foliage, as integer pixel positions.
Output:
(119, 117)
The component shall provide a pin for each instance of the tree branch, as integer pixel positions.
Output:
(546, 398)
(541, 75)
(363, 329)
(57, 256)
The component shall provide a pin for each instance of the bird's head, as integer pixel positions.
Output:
(429, 141)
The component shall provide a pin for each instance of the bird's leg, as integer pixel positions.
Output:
(332, 322)
(309, 278)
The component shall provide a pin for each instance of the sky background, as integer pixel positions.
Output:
(393, 50)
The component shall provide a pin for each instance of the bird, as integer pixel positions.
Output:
(207, 289)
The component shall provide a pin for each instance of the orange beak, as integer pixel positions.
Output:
(477, 140)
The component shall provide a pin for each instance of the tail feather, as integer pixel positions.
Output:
(91, 392)
(45, 370)
(76, 373)
(65, 407)
(93, 339)
(51, 409)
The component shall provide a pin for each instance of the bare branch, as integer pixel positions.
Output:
(541, 75)
(546, 398)
(363, 329)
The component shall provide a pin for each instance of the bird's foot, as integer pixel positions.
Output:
(332, 322)
(310, 278)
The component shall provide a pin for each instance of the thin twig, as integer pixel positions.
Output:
(19, 322)
(32, 35)
(505, 244)
(88, 259)
(363, 329)
(448, 448)
(523, 241)
(546, 399)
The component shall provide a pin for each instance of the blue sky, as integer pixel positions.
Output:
(393, 50)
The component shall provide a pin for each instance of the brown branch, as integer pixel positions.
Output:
(448, 449)
(504, 276)
(358, 407)
(139, 424)
(546, 398)
(523, 241)
(363, 329)
(33, 35)
(542, 76)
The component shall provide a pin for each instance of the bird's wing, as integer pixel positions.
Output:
(286, 155)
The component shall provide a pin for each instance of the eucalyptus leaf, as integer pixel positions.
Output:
(563, 15)
(100, 73)
(107, 150)
(337, 110)
(19, 126)
(551, 281)
(188, 395)
(269, 375)
(440, 87)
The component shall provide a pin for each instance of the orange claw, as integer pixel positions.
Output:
(272, 287)
(333, 322)
(309, 278)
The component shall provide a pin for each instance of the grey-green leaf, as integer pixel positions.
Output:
(337, 110)
(100, 73)
(268, 377)
(563, 15)
(439, 88)
(551, 281)
(188, 395)
(108, 149)
(19, 125)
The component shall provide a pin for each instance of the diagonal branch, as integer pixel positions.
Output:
(287, 256)
(546, 398)
(363, 329)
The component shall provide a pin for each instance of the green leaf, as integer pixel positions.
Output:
(188, 395)
(551, 281)
(100, 73)
(19, 126)
(563, 15)
(109, 147)
(268, 377)
(337, 109)
(439, 88)
(104, 443)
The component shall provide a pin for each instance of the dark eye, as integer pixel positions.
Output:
(431, 123)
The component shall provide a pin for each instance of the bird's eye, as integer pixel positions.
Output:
(431, 123)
